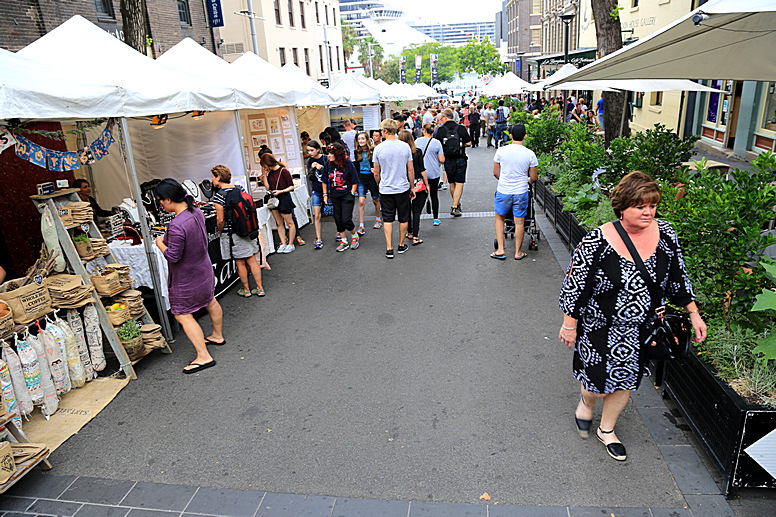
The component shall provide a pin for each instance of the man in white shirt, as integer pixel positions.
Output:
(515, 167)
(428, 117)
(349, 137)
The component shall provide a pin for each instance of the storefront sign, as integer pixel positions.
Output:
(215, 13)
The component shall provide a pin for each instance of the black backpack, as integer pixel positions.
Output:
(240, 212)
(451, 143)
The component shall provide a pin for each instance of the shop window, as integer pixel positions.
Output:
(282, 53)
(302, 20)
(290, 13)
(656, 99)
(307, 61)
(769, 115)
(183, 12)
(638, 101)
(278, 19)
(104, 8)
(295, 56)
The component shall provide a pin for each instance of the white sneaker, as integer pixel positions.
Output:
(281, 249)
(290, 248)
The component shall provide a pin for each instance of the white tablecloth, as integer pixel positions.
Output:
(135, 258)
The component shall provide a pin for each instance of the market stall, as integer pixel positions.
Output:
(361, 103)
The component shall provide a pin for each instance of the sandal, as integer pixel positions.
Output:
(198, 367)
(416, 241)
(300, 241)
(521, 257)
(258, 292)
(496, 256)
(211, 342)
(243, 293)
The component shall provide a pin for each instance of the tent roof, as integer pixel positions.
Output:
(149, 87)
(318, 94)
(279, 86)
(28, 92)
(355, 91)
(637, 85)
(189, 56)
(507, 84)
(719, 46)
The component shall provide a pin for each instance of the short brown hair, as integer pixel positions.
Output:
(268, 160)
(222, 172)
(428, 127)
(448, 114)
(390, 126)
(635, 188)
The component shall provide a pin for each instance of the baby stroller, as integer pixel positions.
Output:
(531, 229)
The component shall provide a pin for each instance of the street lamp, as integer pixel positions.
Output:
(566, 18)
(251, 16)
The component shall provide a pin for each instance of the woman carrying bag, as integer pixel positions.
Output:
(279, 183)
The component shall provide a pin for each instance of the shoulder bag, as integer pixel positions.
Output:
(273, 203)
(669, 330)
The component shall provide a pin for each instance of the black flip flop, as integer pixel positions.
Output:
(498, 257)
(199, 367)
(210, 342)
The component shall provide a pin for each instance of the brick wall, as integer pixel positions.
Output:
(23, 21)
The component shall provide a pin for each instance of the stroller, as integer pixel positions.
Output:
(531, 229)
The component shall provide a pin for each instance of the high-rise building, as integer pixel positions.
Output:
(459, 33)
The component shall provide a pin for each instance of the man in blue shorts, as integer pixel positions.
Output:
(514, 166)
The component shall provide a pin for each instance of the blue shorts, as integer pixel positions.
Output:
(518, 203)
(367, 182)
(317, 198)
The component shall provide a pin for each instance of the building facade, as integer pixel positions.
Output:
(523, 35)
(169, 21)
(458, 33)
(304, 32)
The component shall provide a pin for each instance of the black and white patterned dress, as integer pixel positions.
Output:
(607, 296)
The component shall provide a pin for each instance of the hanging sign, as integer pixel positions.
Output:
(434, 61)
(6, 139)
(215, 13)
(418, 64)
(403, 69)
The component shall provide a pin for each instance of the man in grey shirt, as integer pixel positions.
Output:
(349, 137)
(395, 175)
(489, 115)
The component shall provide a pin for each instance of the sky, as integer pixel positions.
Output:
(448, 11)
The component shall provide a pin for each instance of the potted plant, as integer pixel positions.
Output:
(82, 245)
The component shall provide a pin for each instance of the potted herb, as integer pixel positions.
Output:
(82, 245)
(131, 339)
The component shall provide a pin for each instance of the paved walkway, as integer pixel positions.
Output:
(366, 387)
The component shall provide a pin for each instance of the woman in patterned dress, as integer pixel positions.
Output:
(606, 304)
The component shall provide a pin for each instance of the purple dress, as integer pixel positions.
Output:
(191, 282)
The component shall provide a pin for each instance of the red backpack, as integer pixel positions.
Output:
(240, 212)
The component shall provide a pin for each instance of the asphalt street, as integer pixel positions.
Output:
(435, 376)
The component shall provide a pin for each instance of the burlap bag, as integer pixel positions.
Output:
(27, 303)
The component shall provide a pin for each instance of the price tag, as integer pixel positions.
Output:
(63, 211)
(138, 323)
(38, 279)
(85, 227)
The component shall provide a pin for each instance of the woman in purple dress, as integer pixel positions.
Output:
(190, 281)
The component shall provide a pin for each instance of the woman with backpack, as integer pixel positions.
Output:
(242, 249)
(366, 181)
(279, 183)
(190, 281)
(420, 188)
(341, 188)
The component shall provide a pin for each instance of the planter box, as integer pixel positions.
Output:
(562, 221)
(540, 190)
(724, 423)
(549, 206)
(577, 232)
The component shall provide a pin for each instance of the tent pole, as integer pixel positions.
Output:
(238, 126)
(147, 243)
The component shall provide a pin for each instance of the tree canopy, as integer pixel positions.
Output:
(481, 57)
(447, 66)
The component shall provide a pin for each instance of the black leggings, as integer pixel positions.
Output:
(433, 185)
(417, 208)
(343, 212)
(474, 131)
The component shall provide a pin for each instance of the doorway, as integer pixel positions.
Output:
(732, 113)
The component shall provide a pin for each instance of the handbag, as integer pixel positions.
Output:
(669, 330)
(273, 203)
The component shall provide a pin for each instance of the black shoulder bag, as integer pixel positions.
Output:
(669, 330)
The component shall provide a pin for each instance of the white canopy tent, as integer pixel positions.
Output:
(560, 75)
(317, 95)
(507, 84)
(355, 91)
(27, 88)
(636, 85)
(148, 87)
(280, 87)
(726, 32)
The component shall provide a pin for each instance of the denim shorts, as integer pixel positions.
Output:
(317, 198)
(518, 203)
(368, 182)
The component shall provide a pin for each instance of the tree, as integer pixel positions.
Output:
(447, 65)
(349, 39)
(377, 55)
(608, 32)
(481, 57)
(389, 71)
(134, 20)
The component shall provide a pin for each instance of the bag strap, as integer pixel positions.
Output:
(655, 290)
(426, 149)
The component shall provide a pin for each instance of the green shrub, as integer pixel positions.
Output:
(659, 152)
(544, 134)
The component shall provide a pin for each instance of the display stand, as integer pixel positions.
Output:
(26, 466)
(54, 202)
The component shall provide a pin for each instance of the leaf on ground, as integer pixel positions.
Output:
(485, 496)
